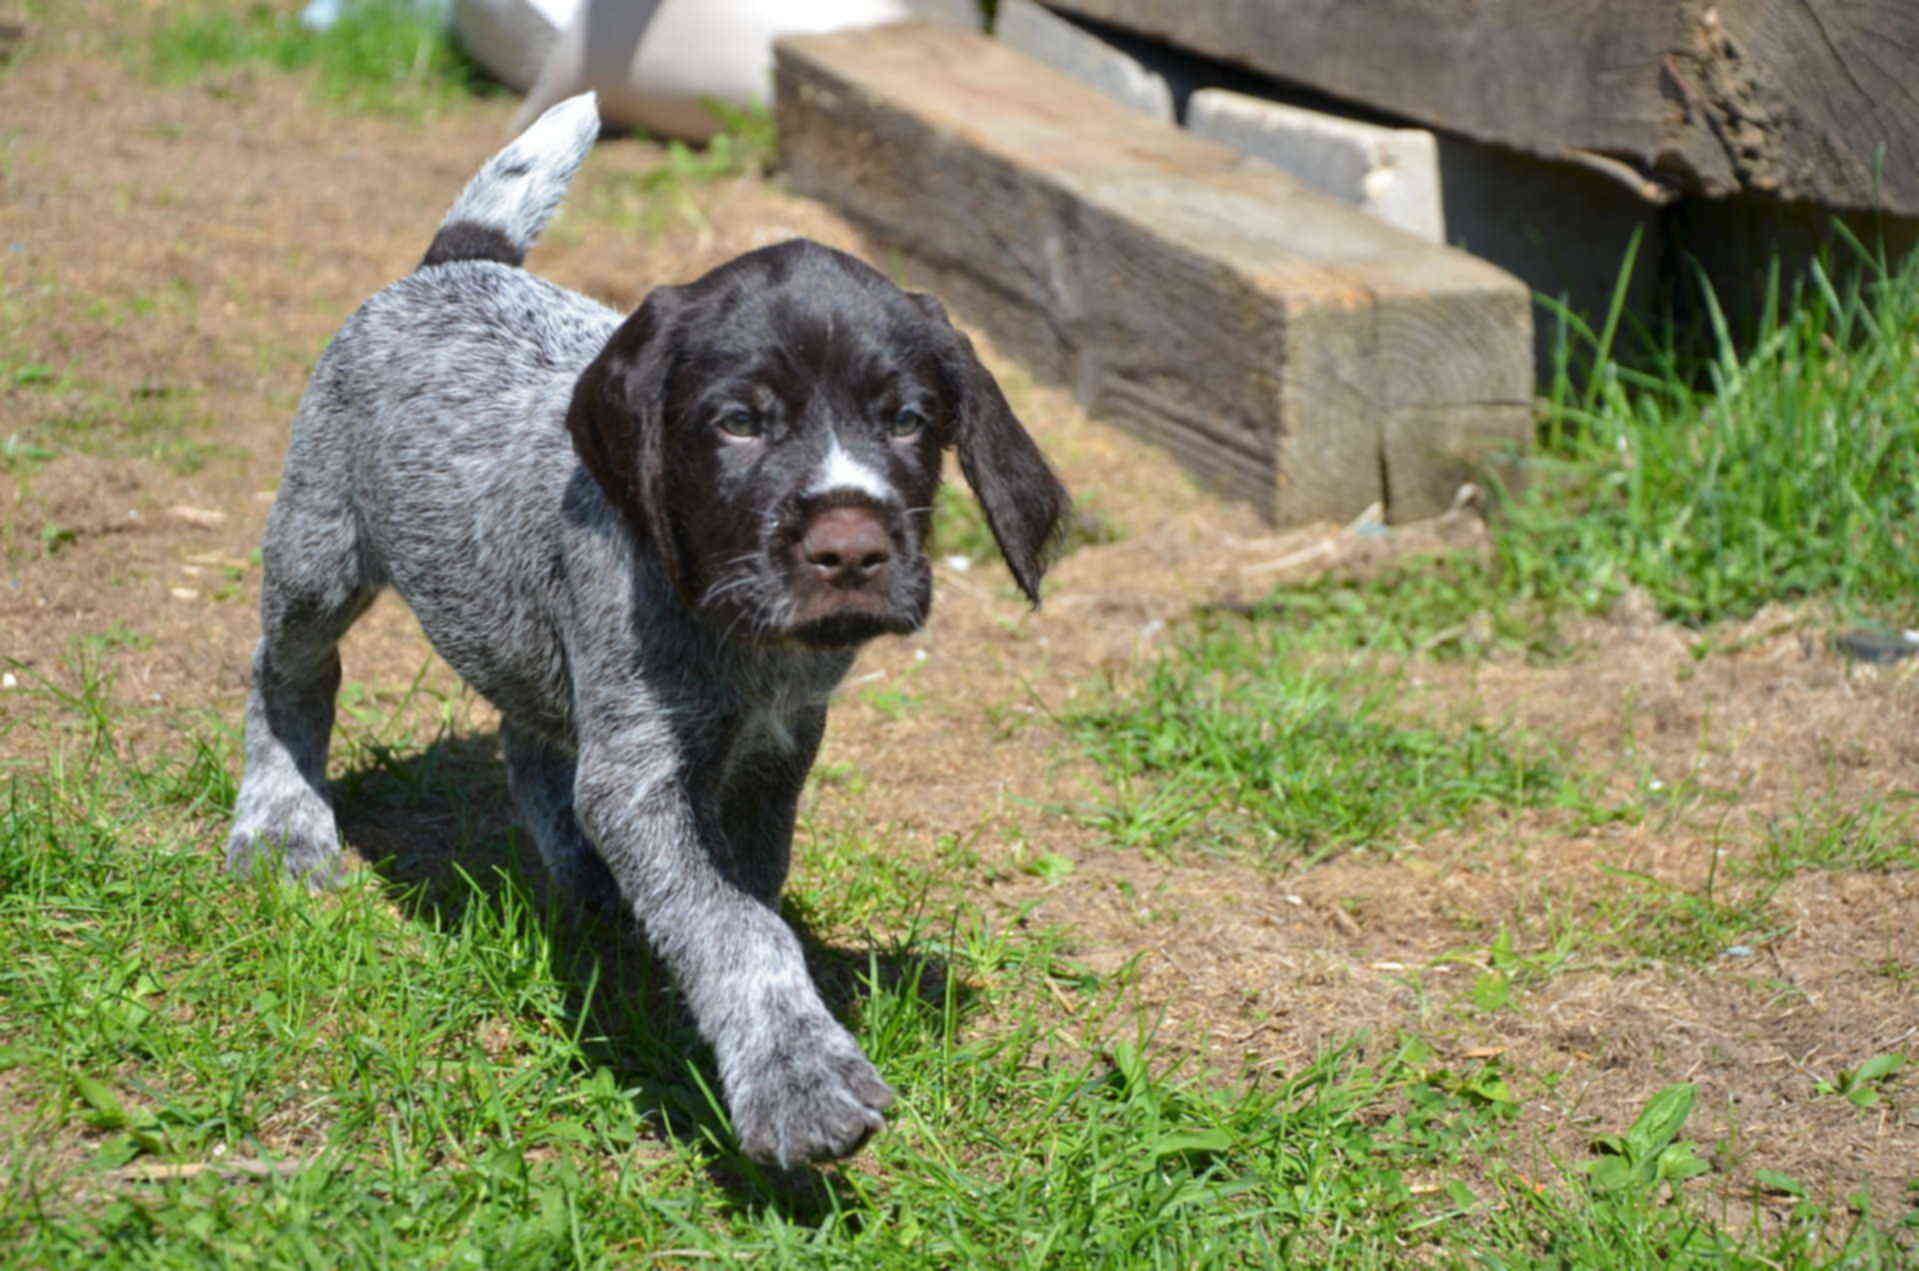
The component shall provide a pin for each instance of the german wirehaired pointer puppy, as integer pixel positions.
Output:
(654, 544)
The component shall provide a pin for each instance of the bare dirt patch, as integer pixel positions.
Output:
(181, 255)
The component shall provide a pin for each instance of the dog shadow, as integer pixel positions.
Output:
(438, 827)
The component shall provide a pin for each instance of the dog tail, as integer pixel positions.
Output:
(504, 208)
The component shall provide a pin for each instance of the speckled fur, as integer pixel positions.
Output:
(656, 743)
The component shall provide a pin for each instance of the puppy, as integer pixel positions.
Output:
(655, 545)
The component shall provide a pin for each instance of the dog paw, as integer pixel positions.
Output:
(814, 1099)
(300, 858)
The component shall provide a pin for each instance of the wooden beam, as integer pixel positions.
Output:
(1287, 349)
(1811, 100)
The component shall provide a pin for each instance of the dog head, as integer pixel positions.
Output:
(775, 430)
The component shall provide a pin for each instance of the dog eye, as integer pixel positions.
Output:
(741, 422)
(907, 422)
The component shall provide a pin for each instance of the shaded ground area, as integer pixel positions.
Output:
(172, 259)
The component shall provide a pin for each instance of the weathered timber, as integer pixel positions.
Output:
(1807, 100)
(1287, 349)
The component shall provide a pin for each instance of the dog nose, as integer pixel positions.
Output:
(846, 546)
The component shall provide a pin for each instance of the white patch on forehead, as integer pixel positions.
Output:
(842, 471)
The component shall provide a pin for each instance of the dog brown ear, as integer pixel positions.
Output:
(1026, 506)
(617, 420)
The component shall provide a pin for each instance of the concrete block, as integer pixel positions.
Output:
(968, 15)
(1064, 46)
(1286, 348)
(1391, 173)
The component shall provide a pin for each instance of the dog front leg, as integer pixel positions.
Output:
(797, 1085)
(758, 812)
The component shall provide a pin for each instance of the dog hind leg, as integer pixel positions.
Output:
(315, 587)
(541, 778)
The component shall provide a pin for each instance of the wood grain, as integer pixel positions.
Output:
(1793, 98)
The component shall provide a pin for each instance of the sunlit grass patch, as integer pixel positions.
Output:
(1241, 741)
(197, 1070)
(1665, 922)
(1779, 467)
(1448, 607)
(381, 55)
(198, 1067)
(1878, 837)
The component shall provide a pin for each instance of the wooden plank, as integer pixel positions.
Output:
(1288, 349)
(1792, 98)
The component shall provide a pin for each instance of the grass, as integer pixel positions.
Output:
(1242, 741)
(1778, 469)
(69, 412)
(382, 55)
(53, 408)
(1631, 921)
(1875, 838)
(432, 1069)
(1667, 924)
(1450, 608)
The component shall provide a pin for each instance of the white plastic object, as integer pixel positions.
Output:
(654, 63)
(512, 39)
